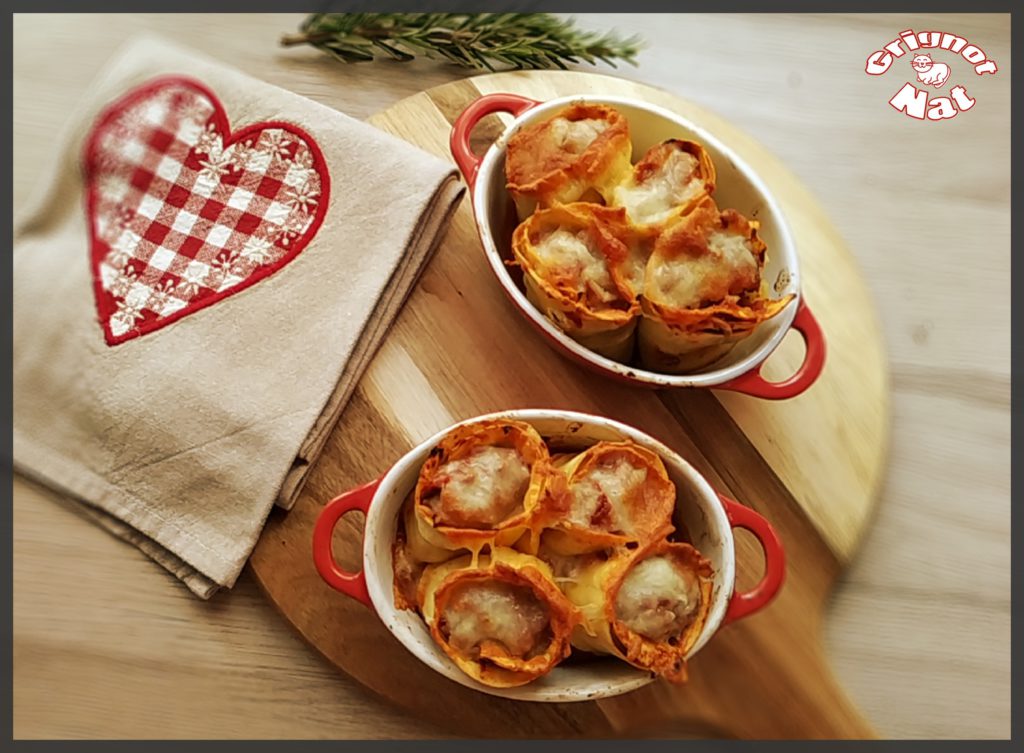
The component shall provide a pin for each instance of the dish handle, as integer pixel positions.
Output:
(752, 383)
(488, 104)
(350, 584)
(745, 603)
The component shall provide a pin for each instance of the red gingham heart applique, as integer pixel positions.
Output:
(183, 212)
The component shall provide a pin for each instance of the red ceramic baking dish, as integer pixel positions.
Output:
(708, 516)
(737, 186)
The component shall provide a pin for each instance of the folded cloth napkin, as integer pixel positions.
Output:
(202, 278)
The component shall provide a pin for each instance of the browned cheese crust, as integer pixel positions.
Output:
(544, 164)
(492, 663)
(609, 495)
(447, 527)
(666, 658)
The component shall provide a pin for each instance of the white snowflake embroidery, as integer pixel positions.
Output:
(240, 267)
(194, 110)
(215, 279)
(219, 269)
(123, 282)
(258, 250)
(304, 159)
(117, 258)
(123, 249)
(113, 187)
(219, 161)
(160, 296)
(126, 315)
(293, 227)
(241, 155)
(301, 170)
(123, 217)
(215, 167)
(210, 143)
(154, 115)
(299, 176)
(303, 196)
(190, 283)
(299, 221)
(128, 122)
(227, 269)
(277, 144)
(111, 225)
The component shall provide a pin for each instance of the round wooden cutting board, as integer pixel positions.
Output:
(811, 465)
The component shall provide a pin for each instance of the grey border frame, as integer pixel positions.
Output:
(540, 746)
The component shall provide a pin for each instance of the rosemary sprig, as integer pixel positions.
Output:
(473, 40)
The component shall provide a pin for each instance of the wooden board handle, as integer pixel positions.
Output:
(805, 705)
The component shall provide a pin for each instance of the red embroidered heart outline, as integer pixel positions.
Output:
(183, 212)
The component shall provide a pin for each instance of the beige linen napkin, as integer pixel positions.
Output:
(179, 393)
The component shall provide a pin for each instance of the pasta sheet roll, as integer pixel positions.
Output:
(582, 270)
(480, 486)
(672, 178)
(703, 290)
(503, 621)
(580, 154)
(610, 494)
(647, 607)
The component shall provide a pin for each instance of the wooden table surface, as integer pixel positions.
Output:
(106, 644)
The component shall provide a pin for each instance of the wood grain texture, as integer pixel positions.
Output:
(925, 211)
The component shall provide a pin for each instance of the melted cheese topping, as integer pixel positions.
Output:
(572, 256)
(687, 280)
(599, 497)
(510, 616)
(564, 567)
(636, 266)
(576, 135)
(481, 489)
(658, 599)
(672, 184)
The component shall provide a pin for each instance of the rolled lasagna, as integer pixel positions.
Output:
(647, 607)
(583, 270)
(670, 180)
(613, 493)
(408, 565)
(703, 290)
(479, 486)
(504, 622)
(579, 154)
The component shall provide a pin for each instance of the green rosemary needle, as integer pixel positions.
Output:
(473, 40)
